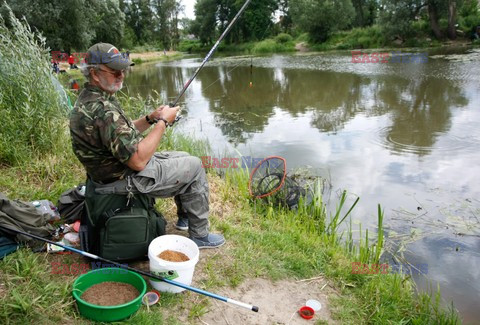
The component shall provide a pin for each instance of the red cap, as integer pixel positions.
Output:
(306, 312)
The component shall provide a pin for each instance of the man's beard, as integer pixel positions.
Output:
(111, 88)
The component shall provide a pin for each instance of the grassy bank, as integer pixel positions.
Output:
(154, 56)
(279, 44)
(372, 37)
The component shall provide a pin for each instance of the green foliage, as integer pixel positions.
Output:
(33, 119)
(129, 38)
(320, 18)
(397, 17)
(357, 38)
(255, 23)
(107, 21)
(365, 12)
(166, 21)
(283, 38)
(72, 25)
(190, 46)
(273, 46)
(32, 295)
(204, 26)
(213, 16)
(469, 17)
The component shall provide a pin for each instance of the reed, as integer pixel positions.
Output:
(32, 115)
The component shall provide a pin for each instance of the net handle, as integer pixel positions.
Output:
(257, 167)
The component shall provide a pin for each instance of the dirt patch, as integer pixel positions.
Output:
(148, 56)
(278, 303)
(302, 47)
(110, 293)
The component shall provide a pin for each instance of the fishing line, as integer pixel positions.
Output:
(251, 71)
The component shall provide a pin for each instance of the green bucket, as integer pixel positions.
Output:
(108, 313)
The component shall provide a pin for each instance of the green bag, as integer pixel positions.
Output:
(117, 229)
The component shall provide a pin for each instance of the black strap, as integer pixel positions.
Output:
(104, 217)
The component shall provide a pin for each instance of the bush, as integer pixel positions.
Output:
(189, 46)
(469, 17)
(33, 119)
(283, 38)
(357, 38)
(271, 46)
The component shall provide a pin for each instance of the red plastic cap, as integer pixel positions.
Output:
(76, 226)
(306, 312)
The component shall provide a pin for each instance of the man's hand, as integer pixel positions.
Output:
(146, 147)
(166, 112)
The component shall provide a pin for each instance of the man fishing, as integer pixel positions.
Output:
(113, 151)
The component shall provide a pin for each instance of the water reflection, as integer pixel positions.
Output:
(419, 109)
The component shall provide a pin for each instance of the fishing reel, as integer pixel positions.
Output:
(178, 117)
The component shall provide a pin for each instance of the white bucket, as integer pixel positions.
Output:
(183, 271)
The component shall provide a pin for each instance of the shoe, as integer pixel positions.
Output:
(182, 223)
(209, 241)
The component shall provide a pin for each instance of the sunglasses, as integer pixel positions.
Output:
(116, 73)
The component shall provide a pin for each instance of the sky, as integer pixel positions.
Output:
(189, 4)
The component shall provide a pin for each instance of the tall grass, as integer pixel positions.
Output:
(276, 45)
(33, 120)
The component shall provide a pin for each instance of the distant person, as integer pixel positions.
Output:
(71, 61)
(164, 52)
(55, 67)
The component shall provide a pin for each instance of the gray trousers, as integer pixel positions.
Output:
(167, 174)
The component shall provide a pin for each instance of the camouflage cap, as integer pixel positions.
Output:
(104, 53)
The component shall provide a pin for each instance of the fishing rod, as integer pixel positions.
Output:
(150, 275)
(207, 57)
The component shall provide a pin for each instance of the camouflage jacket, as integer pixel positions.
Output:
(103, 138)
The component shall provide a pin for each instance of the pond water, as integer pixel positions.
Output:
(403, 135)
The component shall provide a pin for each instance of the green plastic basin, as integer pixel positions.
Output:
(108, 313)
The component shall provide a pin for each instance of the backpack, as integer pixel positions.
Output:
(117, 228)
(71, 203)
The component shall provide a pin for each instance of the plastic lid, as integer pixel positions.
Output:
(150, 298)
(314, 304)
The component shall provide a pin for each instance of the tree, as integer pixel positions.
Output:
(365, 12)
(322, 17)
(204, 25)
(139, 17)
(433, 16)
(74, 24)
(452, 13)
(109, 21)
(285, 17)
(256, 22)
(396, 16)
(213, 16)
